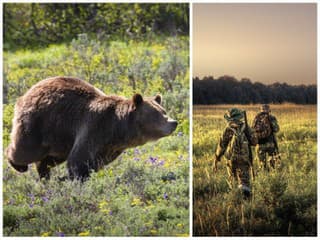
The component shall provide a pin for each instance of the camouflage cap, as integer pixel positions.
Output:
(265, 108)
(233, 114)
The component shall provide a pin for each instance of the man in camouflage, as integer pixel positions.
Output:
(239, 165)
(267, 142)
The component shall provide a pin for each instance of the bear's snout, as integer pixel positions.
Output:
(172, 125)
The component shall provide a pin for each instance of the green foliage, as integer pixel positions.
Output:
(7, 123)
(116, 67)
(145, 192)
(36, 24)
(284, 201)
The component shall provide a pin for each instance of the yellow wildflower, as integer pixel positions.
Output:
(102, 204)
(136, 202)
(110, 172)
(182, 235)
(45, 234)
(82, 234)
(167, 164)
(153, 231)
(106, 210)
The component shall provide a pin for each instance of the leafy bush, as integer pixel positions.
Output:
(34, 25)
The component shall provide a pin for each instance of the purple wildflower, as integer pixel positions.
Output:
(165, 196)
(110, 213)
(60, 234)
(180, 134)
(45, 199)
(161, 163)
(136, 159)
(153, 160)
(136, 151)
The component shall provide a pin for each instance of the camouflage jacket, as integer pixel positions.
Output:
(227, 136)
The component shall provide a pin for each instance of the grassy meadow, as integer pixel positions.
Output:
(284, 202)
(145, 191)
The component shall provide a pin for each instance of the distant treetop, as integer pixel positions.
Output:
(229, 90)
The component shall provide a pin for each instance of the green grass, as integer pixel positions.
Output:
(145, 191)
(284, 202)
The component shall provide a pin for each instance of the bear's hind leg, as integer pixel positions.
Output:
(25, 148)
(44, 166)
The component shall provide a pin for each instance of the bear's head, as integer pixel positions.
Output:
(151, 118)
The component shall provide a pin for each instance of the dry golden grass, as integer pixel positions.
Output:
(284, 202)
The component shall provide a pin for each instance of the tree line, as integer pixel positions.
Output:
(39, 24)
(229, 90)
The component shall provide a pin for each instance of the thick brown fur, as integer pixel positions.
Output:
(66, 119)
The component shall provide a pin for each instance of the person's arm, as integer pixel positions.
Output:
(221, 148)
(223, 142)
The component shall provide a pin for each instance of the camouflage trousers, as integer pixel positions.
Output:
(267, 156)
(239, 172)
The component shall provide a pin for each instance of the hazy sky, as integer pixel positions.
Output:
(264, 42)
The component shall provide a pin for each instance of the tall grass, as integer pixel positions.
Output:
(284, 201)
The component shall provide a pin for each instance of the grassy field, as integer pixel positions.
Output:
(145, 191)
(284, 201)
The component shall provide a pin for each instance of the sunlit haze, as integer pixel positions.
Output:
(263, 42)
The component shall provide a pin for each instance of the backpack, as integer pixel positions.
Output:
(262, 126)
(238, 146)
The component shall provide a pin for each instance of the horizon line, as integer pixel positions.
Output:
(252, 81)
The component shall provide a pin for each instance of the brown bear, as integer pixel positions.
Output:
(67, 119)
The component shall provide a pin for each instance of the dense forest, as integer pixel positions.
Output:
(229, 90)
(61, 22)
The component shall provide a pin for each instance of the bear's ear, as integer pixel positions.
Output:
(158, 99)
(137, 99)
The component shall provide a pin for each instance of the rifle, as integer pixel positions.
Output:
(247, 133)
